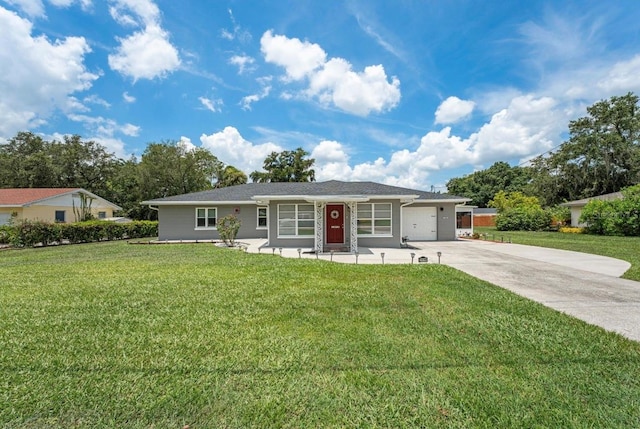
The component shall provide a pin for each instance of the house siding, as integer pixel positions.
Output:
(47, 213)
(178, 222)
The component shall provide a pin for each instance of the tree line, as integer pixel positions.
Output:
(164, 169)
(601, 156)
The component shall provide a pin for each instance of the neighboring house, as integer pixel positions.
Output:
(50, 204)
(577, 206)
(464, 220)
(485, 217)
(317, 215)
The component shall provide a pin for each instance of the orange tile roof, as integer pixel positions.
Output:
(21, 196)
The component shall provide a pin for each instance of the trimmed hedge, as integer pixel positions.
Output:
(30, 233)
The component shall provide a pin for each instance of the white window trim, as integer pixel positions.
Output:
(258, 217)
(373, 219)
(205, 228)
(296, 221)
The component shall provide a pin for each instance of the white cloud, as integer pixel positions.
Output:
(36, 9)
(33, 8)
(243, 62)
(212, 105)
(298, 58)
(250, 99)
(147, 53)
(104, 131)
(453, 110)
(332, 82)
(622, 77)
(94, 99)
(128, 98)
(237, 32)
(185, 142)
(38, 76)
(231, 148)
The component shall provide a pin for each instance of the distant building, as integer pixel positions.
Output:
(577, 206)
(50, 204)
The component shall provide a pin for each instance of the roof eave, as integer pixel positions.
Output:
(193, 203)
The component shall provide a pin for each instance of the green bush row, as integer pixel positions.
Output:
(614, 217)
(523, 219)
(29, 233)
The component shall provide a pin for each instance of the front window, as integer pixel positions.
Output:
(102, 215)
(60, 216)
(206, 217)
(262, 218)
(295, 220)
(374, 219)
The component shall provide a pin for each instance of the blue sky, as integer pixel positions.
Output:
(408, 93)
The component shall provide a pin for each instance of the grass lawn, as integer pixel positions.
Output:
(116, 335)
(625, 248)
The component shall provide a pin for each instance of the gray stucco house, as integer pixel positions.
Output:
(320, 216)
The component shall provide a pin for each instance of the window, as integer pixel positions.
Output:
(206, 217)
(102, 215)
(374, 219)
(463, 220)
(59, 216)
(296, 220)
(262, 218)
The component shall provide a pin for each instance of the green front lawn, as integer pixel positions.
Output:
(625, 248)
(140, 336)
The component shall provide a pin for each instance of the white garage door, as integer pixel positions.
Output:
(420, 223)
(5, 218)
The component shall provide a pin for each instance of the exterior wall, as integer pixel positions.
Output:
(396, 226)
(6, 212)
(446, 221)
(575, 216)
(446, 213)
(179, 222)
(47, 213)
(275, 241)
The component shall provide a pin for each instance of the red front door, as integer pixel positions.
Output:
(334, 216)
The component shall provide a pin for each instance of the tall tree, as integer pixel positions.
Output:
(169, 168)
(28, 161)
(286, 166)
(601, 156)
(483, 185)
(230, 176)
(82, 164)
(25, 162)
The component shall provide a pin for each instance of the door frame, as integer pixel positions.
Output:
(327, 219)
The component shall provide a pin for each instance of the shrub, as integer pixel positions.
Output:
(614, 217)
(571, 230)
(559, 215)
(6, 234)
(523, 219)
(31, 233)
(228, 227)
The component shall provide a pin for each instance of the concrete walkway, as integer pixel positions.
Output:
(585, 286)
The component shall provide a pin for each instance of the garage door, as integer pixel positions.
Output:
(420, 223)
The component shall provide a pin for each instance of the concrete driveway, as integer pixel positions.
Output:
(582, 285)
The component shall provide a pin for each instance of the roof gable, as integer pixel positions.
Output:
(21, 196)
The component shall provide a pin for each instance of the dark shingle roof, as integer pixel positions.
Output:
(332, 187)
